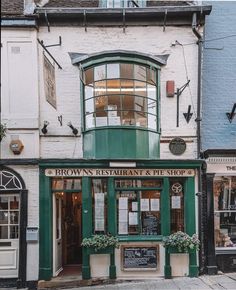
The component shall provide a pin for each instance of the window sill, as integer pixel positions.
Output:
(140, 238)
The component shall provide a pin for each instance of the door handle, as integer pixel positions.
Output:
(58, 243)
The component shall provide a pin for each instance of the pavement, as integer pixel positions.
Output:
(222, 281)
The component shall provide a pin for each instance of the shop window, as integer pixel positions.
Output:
(122, 3)
(9, 216)
(138, 211)
(66, 184)
(177, 205)
(225, 211)
(99, 195)
(120, 94)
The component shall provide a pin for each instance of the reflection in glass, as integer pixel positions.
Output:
(151, 92)
(14, 217)
(152, 123)
(14, 232)
(113, 86)
(89, 106)
(225, 211)
(3, 217)
(99, 72)
(113, 71)
(89, 76)
(126, 71)
(140, 73)
(88, 92)
(3, 232)
(3, 202)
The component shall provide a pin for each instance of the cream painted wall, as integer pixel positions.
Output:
(182, 62)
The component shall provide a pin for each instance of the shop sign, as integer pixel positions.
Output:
(79, 172)
(221, 168)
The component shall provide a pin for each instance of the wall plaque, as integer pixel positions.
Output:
(177, 146)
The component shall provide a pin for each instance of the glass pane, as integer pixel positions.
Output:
(151, 92)
(101, 103)
(152, 122)
(14, 232)
(113, 110)
(14, 217)
(127, 86)
(177, 205)
(150, 212)
(3, 202)
(225, 229)
(126, 71)
(89, 76)
(100, 72)
(89, 120)
(127, 183)
(99, 191)
(151, 76)
(128, 102)
(89, 106)
(88, 92)
(225, 193)
(113, 71)
(66, 183)
(127, 213)
(3, 232)
(140, 72)
(152, 107)
(113, 86)
(3, 217)
(100, 88)
(114, 102)
(128, 118)
(140, 88)
(14, 202)
(57, 184)
(151, 183)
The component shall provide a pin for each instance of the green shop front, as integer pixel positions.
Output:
(139, 205)
(120, 187)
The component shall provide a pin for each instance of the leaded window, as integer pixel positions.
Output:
(121, 94)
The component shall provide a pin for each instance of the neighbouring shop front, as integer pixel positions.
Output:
(139, 204)
(221, 192)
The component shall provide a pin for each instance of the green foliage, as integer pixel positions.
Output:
(99, 242)
(182, 241)
(3, 130)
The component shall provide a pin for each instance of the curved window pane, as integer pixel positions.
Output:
(113, 71)
(88, 92)
(121, 94)
(89, 106)
(99, 72)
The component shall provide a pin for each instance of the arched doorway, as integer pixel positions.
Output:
(13, 222)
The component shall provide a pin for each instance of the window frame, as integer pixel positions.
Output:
(142, 61)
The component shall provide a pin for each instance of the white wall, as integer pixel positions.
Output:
(19, 91)
(182, 62)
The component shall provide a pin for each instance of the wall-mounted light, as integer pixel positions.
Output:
(74, 130)
(16, 145)
(44, 129)
(232, 114)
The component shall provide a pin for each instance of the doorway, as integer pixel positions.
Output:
(67, 233)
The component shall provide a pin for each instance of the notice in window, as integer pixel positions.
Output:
(123, 203)
(133, 218)
(123, 215)
(134, 206)
(175, 202)
(123, 228)
(155, 204)
(144, 204)
(99, 225)
(99, 211)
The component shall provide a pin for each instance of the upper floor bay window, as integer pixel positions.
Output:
(122, 3)
(121, 94)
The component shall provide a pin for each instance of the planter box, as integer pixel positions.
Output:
(92, 251)
(174, 250)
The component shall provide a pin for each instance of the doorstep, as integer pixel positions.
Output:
(73, 281)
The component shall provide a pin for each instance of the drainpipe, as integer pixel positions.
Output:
(198, 120)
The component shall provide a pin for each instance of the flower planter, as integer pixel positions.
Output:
(175, 250)
(93, 251)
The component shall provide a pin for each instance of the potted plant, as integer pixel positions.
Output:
(181, 242)
(100, 243)
(3, 130)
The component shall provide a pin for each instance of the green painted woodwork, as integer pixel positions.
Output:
(121, 143)
(189, 206)
(165, 208)
(45, 228)
(112, 220)
(140, 238)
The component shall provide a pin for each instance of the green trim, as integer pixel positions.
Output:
(45, 227)
(140, 238)
(112, 220)
(189, 206)
(165, 208)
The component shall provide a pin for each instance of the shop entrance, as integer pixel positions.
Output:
(67, 234)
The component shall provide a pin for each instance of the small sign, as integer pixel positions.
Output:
(49, 82)
(175, 202)
(140, 258)
(177, 146)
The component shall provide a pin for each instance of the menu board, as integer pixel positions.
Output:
(150, 224)
(140, 258)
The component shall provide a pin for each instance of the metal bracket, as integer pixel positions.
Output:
(188, 115)
(178, 93)
(58, 44)
(46, 18)
(60, 119)
(85, 21)
(232, 114)
(45, 48)
(164, 22)
(123, 20)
